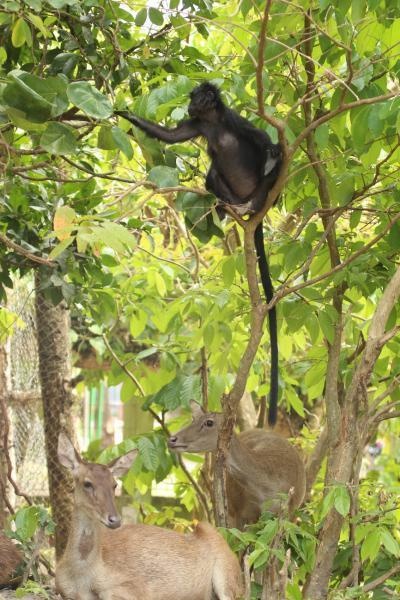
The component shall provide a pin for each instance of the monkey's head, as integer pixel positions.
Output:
(204, 99)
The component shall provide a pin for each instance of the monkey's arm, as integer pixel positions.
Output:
(185, 130)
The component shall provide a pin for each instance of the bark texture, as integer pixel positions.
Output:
(54, 367)
(3, 463)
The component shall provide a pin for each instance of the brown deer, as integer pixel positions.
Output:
(262, 466)
(104, 561)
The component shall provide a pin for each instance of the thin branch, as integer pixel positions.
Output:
(333, 113)
(20, 250)
(285, 289)
(381, 579)
(375, 340)
(123, 366)
(389, 390)
(167, 260)
(260, 58)
(394, 414)
(204, 378)
(160, 421)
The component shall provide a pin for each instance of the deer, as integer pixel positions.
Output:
(105, 560)
(262, 467)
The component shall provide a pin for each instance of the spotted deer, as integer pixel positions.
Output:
(262, 467)
(106, 561)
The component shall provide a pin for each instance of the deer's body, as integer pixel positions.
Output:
(262, 467)
(139, 562)
(10, 559)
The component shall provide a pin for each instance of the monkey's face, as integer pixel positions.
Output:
(204, 99)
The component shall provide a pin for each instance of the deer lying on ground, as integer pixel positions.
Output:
(104, 561)
(261, 466)
(10, 558)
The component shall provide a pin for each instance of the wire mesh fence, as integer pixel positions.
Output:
(26, 436)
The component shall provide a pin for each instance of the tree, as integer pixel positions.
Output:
(137, 249)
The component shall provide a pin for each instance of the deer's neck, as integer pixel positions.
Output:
(84, 538)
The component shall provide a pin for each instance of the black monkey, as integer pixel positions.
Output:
(244, 166)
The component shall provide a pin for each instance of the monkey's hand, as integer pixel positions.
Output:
(127, 115)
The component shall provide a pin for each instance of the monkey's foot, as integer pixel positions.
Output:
(243, 209)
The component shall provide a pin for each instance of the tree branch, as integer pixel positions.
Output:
(25, 253)
(381, 579)
(333, 113)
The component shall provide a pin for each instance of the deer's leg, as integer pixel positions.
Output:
(225, 585)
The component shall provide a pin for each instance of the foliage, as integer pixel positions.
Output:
(28, 526)
(134, 243)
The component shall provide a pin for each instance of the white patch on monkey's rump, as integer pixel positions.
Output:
(270, 164)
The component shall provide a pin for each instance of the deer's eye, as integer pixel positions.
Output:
(88, 485)
(209, 423)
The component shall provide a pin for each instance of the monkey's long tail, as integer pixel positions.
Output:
(272, 324)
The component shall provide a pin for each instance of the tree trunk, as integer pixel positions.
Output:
(52, 324)
(3, 464)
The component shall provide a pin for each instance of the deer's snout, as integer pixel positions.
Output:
(174, 443)
(113, 521)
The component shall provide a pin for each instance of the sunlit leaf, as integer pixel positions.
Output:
(89, 99)
(58, 139)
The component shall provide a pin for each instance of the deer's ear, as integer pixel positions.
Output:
(67, 455)
(119, 466)
(197, 410)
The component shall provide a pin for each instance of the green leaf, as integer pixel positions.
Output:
(21, 33)
(208, 334)
(26, 522)
(64, 62)
(148, 453)
(177, 392)
(389, 542)
(89, 99)
(393, 237)
(59, 249)
(342, 500)
(295, 402)
(156, 16)
(228, 271)
(322, 136)
(328, 502)
(137, 322)
(164, 176)
(160, 284)
(360, 133)
(116, 234)
(38, 23)
(326, 326)
(141, 17)
(105, 139)
(3, 55)
(122, 141)
(58, 139)
(36, 99)
(370, 546)
(312, 327)
(315, 373)
(34, 4)
(196, 208)
(61, 3)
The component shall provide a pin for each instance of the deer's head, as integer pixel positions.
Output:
(95, 484)
(201, 435)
